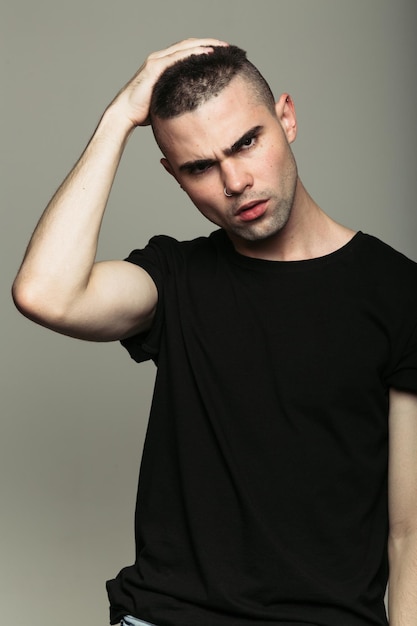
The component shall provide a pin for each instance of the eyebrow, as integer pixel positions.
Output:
(202, 163)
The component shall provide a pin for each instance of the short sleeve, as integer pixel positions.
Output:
(145, 346)
(404, 374)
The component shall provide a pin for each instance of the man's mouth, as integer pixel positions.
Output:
(251, 210)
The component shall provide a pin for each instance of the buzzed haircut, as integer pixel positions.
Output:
(192, 81)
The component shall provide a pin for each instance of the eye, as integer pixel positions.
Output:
(199, 167)
(248, 143)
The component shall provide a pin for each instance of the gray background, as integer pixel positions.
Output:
(73, 414)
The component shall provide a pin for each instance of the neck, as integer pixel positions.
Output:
(308, 234)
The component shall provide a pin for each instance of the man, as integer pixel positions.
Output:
(286, 348)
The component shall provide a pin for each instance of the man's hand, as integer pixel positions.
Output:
(134, 99)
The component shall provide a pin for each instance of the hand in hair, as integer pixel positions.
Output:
(134, 99)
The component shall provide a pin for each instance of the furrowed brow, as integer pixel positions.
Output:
(250, 134)
(191, 166)
(199, 164)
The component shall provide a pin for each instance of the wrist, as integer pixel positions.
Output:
(115, 124)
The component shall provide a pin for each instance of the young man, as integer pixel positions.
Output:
(286, 347)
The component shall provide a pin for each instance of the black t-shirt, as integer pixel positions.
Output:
(263, 489)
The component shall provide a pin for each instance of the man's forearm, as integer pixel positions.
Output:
(402, 595)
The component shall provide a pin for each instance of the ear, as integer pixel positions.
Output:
(168, 167)
(285, 111)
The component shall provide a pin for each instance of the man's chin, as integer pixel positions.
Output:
(259, 231)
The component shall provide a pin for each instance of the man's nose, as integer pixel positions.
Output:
(236, 177)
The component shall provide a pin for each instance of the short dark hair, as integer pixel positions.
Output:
(190, 82)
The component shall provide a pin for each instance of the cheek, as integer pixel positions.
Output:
(205, 195)
(274, 159)
(211, 205)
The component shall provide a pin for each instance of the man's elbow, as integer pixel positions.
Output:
(36, 304)
(402, 535)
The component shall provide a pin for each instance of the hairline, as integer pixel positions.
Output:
(242, 76)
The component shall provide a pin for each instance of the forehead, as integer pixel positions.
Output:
(215, 125)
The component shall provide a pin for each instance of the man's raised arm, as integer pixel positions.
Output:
(59, 284)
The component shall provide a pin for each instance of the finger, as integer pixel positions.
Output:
(171, 57)
(188, 45)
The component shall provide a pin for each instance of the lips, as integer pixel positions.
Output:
(251, 210)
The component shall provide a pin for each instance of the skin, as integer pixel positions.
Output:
(402, 543)
(270, 215)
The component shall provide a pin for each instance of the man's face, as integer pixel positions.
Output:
(235, 142)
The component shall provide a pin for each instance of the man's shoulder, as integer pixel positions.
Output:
(164, 254)
(381, 252)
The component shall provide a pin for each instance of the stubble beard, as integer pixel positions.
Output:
(278, 213)
(266, 226)
(270, 224)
